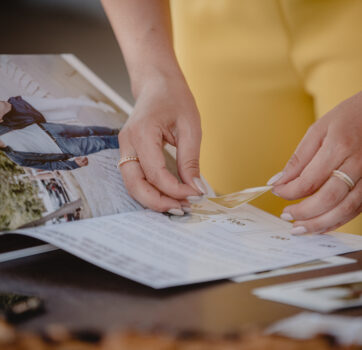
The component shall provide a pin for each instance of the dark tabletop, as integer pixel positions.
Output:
(82, 296)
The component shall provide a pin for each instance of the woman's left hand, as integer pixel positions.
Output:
(332, 143)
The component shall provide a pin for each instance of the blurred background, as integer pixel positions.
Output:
(65, 26)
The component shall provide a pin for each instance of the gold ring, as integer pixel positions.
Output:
(125, 160)
(344, 177)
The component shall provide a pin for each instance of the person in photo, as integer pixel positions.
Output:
(29, 140)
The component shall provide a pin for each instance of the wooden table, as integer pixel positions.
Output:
(82, 296)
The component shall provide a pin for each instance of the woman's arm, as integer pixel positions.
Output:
(165, 110)
(143, 30)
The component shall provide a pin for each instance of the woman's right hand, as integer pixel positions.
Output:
(165, 111)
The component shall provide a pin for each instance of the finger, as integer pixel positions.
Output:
(314, 174)
(188, 154)
(345, 211)
(304, 153)
(150, 152)
(137, 185)
(329, 195)
(185, 206)
(143, 192)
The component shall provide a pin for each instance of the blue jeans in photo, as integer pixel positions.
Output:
(82, 140)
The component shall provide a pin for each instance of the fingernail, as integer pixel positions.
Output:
(286, 217)
(200, 185)
(186, 209)
(194, 199)
(176, 211)
(299, 230)
(274, 193)
(275, 178)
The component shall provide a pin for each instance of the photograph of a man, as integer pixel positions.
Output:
(29, 139)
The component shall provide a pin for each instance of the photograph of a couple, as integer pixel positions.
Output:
(58, 144)
(31, 140)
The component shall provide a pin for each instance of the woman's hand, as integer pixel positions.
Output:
(165, 111)
(332, 143)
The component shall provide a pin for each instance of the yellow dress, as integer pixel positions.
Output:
(262, 71)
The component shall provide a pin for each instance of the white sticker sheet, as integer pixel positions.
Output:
(323, 294)
(308, 266)
(306, 325)
(164, 251)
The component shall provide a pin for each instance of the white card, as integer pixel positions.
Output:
(322, 294)
(306, 325)
(308, 266)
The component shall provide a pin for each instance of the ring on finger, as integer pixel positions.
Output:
(344, 177)
(127, 159)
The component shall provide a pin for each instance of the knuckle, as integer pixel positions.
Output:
(307, 187)
(294, 161)
(344, 145)
(192, 164)
(152, 175)
(330, 197)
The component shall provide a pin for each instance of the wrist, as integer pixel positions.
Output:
(153, 74)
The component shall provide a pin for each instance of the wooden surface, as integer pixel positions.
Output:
(82, 296)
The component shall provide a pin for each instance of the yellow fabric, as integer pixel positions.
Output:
(262, 71)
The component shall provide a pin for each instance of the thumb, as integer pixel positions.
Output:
(304, 153)
(188, 156)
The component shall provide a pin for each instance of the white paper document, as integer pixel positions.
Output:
(308, 266)
(164, 251)
(322, 294)
(306, 325)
